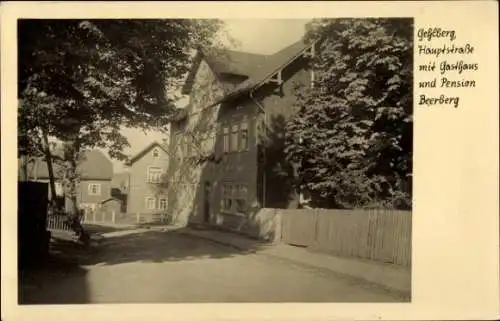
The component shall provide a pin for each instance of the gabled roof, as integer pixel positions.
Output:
(257, 68)
(235, 62)
(272, 65)
(94, 165)
(223, 61)
(145, 151)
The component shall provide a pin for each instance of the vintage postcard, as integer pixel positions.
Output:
(250, 160)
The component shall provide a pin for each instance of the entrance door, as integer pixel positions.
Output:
(206, 202)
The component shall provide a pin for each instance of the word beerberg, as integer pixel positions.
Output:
(441, 100)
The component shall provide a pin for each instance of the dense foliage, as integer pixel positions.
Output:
(82, 81)
(352, 137)
(86, 78)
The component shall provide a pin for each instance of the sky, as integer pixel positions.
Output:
(264, 36)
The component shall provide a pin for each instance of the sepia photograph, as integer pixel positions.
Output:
(244, 160)
(212, 160)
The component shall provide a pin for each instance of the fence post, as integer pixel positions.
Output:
(282, 227)
(316, 227)
(138, 217)
(113, 216)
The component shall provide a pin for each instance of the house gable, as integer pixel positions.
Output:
(151, 148)
(272, 71)
(207, 88)
(238, 74)
(230, 66)
(152, 158)
(96, 166)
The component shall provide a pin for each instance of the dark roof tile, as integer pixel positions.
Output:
(272, 65)
(257, 68)
(235, 62)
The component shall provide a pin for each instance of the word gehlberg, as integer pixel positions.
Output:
(466, 49)
(441, 100)
(430, 33)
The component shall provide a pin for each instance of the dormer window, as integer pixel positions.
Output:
(156, 153)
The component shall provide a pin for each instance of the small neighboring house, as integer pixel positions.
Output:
(96, 172)
(248, 97)
(146, 192)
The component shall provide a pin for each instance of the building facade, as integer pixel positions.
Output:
(227, 144)
(96, 172)
(147, 191)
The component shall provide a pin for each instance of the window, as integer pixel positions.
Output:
(234, 138)
(156, 153)
(225, 138)
(241, 198)
(234, 196)
(227, 197)
(154, 175)
(162, 205)
(94, 189)
(244, 136)
(150, 203)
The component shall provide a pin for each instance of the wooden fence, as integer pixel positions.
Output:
(102, 216)
(58, 223)
(99, 216)
(379, 235)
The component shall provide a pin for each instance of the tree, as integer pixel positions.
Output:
(352, 138)
(81, 81)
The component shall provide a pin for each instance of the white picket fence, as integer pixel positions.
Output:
(58, 223)
(98, 216)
